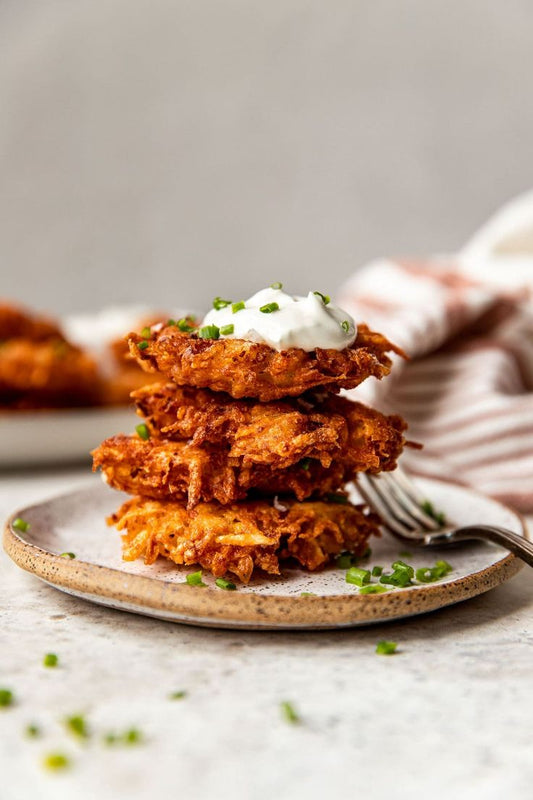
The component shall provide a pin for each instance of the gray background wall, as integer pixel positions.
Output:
(167, 151)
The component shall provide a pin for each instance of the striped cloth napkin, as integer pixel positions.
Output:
(466, 321)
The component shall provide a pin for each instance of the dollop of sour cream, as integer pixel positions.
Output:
(303, 322)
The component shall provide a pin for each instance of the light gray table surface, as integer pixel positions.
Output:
(449, 716)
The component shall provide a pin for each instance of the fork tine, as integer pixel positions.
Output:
(375, 500)
(402, 488)
(388, 497)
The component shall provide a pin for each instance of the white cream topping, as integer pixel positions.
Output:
(303, 322)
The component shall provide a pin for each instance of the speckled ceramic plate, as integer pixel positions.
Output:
(76, 523)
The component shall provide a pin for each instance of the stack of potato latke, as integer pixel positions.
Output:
(243, 455)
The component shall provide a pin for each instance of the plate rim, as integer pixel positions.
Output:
(213, 607)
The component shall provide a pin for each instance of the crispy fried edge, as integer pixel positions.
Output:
(248, 369)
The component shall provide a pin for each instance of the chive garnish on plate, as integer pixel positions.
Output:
(237, 306)
(50, 660)
(324, 297)
(222, 583)
(142, 345)
(195, 579)
(357, 576)
(20, 525)
(56, 761)
(68, 555)
(219, 303)
(227, 330)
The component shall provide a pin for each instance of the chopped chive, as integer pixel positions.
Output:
(425, 575)
(68, 555)
(226, 330)
(132, 736)
(219, 303)
(222, 583)
(142, 345)
(305, 463)
(77, 725)
(401, 565)
(195, 579)
(344, 561)
(20, 525)
(146, 332)
(171, 323)
(237, 306)
(335, 497)
(32, 731)
(357, 576)
(143, 431)
(269, 308)
(373, 588)
(367, 553)
(377, 571)
(307, 594)
(6, 698)
(324, 297)
(345, 325)
(56, 761)
(384, 648)
(438, 516)
(50, 660)
(444, 567)
(209, 332)
(276, 285)
(289, 713)
(183, 325)
(179, 695)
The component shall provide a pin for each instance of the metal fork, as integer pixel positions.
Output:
(406, 514)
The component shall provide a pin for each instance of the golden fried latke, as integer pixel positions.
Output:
(166, 470)
(49, 373)
(248, 369)
(242, 537)
(17, 323)
(280, 433)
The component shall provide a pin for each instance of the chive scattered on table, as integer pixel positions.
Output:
(384, 648)
(77, 725)
(289, 713)
(56, 761)
(6, 698)
(32, 731)
(179, 695)
(50, 660)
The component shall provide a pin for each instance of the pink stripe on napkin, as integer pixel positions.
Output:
(467, 392)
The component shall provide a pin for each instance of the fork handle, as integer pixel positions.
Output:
(517, 544)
